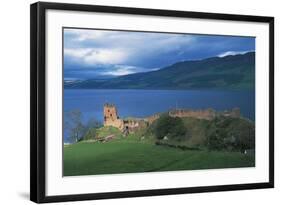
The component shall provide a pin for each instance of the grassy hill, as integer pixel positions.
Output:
(229, 72)
(129, 157)
(141, 152)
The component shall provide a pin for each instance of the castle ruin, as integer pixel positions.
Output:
(127, 125)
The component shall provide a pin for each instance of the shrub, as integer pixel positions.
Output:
(172, 127)
(90, 134)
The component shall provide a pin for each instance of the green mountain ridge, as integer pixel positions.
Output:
(229, 72)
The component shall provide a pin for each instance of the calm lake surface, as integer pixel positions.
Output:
(142, 103)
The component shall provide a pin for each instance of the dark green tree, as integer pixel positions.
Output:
(172, 127)
(233, 134)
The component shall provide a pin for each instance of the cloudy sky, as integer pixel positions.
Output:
(101, 54)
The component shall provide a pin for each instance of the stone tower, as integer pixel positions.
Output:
(111, 117)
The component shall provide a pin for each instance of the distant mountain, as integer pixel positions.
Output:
(229, 72)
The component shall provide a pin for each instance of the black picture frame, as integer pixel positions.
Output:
(38, 101)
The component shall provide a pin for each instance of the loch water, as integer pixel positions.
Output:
(142, 103)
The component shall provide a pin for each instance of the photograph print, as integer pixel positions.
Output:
(139, 101)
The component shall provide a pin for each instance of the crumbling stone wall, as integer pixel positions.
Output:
(207, 114)
(152, 118)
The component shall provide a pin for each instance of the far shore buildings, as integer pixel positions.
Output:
(111, 117)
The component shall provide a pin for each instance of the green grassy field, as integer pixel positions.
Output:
(129, 156)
